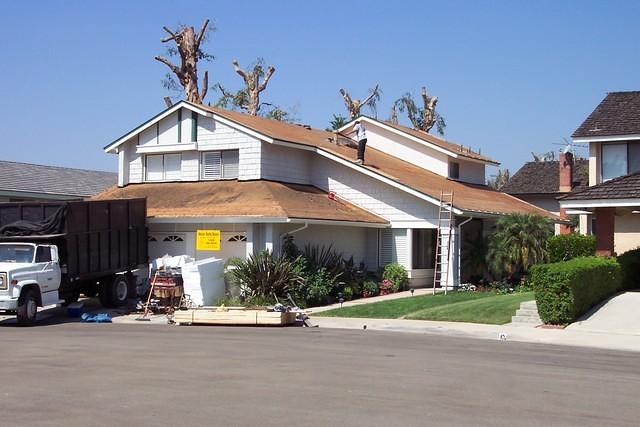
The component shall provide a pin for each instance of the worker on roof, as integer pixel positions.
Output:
(361, 137)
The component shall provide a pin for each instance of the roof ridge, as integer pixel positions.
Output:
(56, 167)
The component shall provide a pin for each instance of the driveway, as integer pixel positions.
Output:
(618, 315)
(78, 374)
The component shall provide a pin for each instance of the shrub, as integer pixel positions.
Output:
(265, 274)
(369, 289)
(397, 275)
(630, 264)
(564, 247)
(566, 290)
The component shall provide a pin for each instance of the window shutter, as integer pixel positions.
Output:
(385, 254)
(172, 167)
(211, 165)
(230, 160)
(154, 168)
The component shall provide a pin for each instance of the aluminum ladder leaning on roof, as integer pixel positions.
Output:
(443, 241)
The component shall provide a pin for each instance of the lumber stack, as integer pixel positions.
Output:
(233, 316)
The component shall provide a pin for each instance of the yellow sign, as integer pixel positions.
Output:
(208, 240)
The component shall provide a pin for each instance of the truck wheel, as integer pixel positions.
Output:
(27, 308)
(115, 294)
(71, 298)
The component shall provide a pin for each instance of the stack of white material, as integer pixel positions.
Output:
(204, 281)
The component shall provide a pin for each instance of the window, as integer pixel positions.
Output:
(43, 254)
(220, 164)
(238, 238)
(194, 126)
(424, 248)
(619, 159)
(163, 167)
(454, 170)
(173, 238)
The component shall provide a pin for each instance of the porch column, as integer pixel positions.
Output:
(268, 237)
(605, 228)
(250, 242)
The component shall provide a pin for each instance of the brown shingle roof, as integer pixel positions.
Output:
(617, 114)
(544, 178)
(240, 198)
(624, 187)
(468, 197)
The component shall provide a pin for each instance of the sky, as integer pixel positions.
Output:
(511, 77)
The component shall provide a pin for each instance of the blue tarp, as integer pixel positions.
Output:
(96, 318)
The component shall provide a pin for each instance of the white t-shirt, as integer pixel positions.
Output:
(361, 132)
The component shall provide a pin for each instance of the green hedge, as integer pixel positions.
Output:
(564, 247)
(568, 289)
(630, 263)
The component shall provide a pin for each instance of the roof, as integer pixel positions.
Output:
(624, 187)
(54, 180)
(544, 178)
(442, 143)
(617, 114)
(252, 199)
(468, 197)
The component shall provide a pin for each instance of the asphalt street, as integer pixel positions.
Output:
(121, 374)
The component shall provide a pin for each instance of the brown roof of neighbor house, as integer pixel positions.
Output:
(624, 187)
(468, 197)
(241, 198)
(456, 148)
(544, 178)
(617, 114)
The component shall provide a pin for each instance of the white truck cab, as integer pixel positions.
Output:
(30, 277)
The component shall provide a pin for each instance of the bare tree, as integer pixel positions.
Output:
(248, 98)
(421, 118)
(188, 46)
(499, 179)
(355, 105)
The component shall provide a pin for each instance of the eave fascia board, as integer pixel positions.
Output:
(338, 223)
(235, 125)
(417, 140)
(599, 203)
(606, 138)
(152, 121)
(365, 171)
(216, 220)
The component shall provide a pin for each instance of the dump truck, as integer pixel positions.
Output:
(51, 252)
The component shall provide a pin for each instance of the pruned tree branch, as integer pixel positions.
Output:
(239, 70)
(355, 105)
(169, 64)
(267, 76)
(248, 98)
(172, 35)
(205, 85)
(373, 94)
(201, 33)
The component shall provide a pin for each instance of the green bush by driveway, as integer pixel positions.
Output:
(630, 264)
(566, 290)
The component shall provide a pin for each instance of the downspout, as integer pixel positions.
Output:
(295, 230)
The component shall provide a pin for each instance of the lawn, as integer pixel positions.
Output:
(474, 307)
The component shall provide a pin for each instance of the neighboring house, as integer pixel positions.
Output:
(612, 131)
(543, 183)
(21, 182)
(258, 180)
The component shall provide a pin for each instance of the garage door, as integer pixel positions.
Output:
(161, 244)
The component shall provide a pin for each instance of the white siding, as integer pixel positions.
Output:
(168, 130)
(473, 172)
(407, 150)
(190, 165)
(214, 135)
(149, 136)
(285, 164)
(391, 203)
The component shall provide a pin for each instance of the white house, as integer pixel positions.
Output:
(258, 180)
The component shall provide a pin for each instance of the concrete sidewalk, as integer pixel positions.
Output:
(618, 315)
(361, 301)
(568, 337)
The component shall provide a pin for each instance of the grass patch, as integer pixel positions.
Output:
(496, 310)
(396, 308)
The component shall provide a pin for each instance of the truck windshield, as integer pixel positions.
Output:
(16, 253)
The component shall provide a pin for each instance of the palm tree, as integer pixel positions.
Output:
(519, 242)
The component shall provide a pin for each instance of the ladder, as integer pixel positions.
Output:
(443, 241)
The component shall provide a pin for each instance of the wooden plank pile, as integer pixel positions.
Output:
(233, 316)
